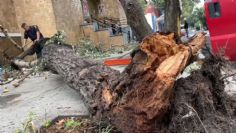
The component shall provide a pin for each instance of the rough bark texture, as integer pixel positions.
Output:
(172, 16)
(138, 99)
(136, 19)
(87, 76)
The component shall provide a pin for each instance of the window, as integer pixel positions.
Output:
(214, 10)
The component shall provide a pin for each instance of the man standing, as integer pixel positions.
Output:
(33, 33)
(186, 27)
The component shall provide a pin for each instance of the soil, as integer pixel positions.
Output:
(200, 103)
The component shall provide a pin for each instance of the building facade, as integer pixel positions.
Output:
(102, 21)
(54, 15)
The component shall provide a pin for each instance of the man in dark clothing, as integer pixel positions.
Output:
(186, 27)
(33, 33)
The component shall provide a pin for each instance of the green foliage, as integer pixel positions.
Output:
(194, 15)
(28, 126)
(188, 6)
(39, 68)
(28, 123)
(47, 123)
(7, 68)
(72, 124)
(142, 3)
(198, 18)
(17, 131)
(108, 129)
(160, 4)
(58, 38)
(87, 48)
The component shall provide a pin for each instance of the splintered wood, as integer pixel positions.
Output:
(148, 98)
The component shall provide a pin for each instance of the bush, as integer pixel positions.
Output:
(87, 48)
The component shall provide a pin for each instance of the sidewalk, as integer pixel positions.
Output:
(45, 97)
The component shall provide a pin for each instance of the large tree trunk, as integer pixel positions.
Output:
(136, 100)
(172, 16)
(136, 19)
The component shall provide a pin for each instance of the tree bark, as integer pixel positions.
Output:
(172, 16)
(87, 76)
(136, 19)
(136, 100)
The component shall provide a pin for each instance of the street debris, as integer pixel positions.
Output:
(7, 75)
(5, 90)
(58, 38)
(87, 48)
(77, 125)
(191, 68)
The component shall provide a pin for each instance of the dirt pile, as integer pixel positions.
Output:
(200, 103)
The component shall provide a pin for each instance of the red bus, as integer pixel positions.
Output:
(221, 22)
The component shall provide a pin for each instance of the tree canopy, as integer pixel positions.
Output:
(198, 19)
(187, 6)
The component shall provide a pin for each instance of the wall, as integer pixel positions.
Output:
(93, 7)
(69, 16)
(122, 15)
(104, 8)
(109, 8)
(8, 16)
(36, 12)
(14, 12)
(53, 15)
(8, 20)
(9, 48)
(102, 39)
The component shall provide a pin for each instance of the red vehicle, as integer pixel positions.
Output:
(221, 22)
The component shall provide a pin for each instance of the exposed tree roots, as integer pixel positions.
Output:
(200, 103)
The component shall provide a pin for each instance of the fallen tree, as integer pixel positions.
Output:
(140, 98)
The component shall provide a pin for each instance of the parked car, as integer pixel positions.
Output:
(221, 22)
